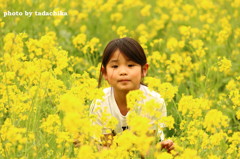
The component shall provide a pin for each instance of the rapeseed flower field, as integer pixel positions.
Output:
(49, 68)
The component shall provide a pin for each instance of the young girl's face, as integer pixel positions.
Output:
(122, 73)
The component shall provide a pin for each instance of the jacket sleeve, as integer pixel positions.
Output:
(97, 115)
(161, 111)
(162, 125)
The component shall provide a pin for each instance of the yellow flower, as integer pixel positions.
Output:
(172, 44)
(197, 44)
(13, 44)
(34, 47)
(215, 120)
(63, 137)
(238, 114)
(86, 151)
(185, 31)
(193, 107)
(142, 30)
(237, 33)
(57, 19)
(51, 124)
(107, 6)
(138, 124)
(235, 97)
(205, 4)
(1, 23)
(79, 40)
(12, 134)
(61, 61)
(48, 41)
(235, 141)
(223, 35)
(94, 44)
(224, 65)
(70, 103)
(213, 157)
(145, 11)
(202, 78)
(126, 136)
(168, 121)
(167, 91)
(188, 154)
(91, 46)
(157, 59)
(195, 32)
(152, 109)
(157, 24)
(83, 28)
(116, 17)
(235, 4)
(136, 142)
(190, 9)
(132, 3)
(231, 85)
(164, 155)
(122, 31)
(133, 98)
(9, 77)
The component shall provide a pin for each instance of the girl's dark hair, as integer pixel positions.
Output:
(129, 47)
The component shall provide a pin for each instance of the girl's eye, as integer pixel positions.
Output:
(114, 66)
(131, 65)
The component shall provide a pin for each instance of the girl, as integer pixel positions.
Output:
(124, 65)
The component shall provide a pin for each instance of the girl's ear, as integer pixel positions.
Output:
(104, 73)
(145, 70)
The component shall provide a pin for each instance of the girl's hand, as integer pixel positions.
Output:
(168, 145)
(76, 143)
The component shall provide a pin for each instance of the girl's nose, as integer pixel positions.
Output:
(123, 74)
(123, 71)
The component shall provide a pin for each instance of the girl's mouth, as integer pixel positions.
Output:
(124, 80)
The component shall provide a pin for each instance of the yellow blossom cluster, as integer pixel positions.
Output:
(214, 120)
(193, 107)
(224, 65)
